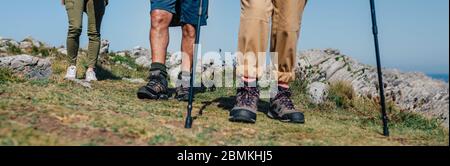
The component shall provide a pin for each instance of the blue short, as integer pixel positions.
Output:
(184, 11)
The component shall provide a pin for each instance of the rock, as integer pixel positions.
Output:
(208, 73)
(144, 61)
(104, 49)
(28, 66)
(173, 66)
(83, 83)
(27, 44)
(34, 42)
(318, 92)
(62, 50)
(413, 92)
(331, 51)
(122, 54)
(138, 51)
(3, 49)
(7, 41)
(5, 44)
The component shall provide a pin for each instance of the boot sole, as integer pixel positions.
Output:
(145, 94)
(289, 119)
(182, 98)
(242, 116)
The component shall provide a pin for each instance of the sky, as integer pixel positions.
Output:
(414, 34)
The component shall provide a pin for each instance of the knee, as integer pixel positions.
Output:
(189, 31)
(94, 36)
(75, 30)
(160, 19)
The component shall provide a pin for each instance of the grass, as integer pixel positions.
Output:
(12, 49)
(7, 76)
(126, 60)
(59, 112)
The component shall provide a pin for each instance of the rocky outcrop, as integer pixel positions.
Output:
(207, 68)
(318, 92)
(104, 47)
(26, 45)
(6, 44)
(28, 66)
(410, 91)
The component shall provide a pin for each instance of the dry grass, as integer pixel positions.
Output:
(58, 112)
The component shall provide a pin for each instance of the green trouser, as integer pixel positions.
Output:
(95, 10)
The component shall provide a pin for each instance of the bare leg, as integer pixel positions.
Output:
(187, 47)
(159, 35)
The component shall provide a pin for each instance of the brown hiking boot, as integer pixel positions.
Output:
(157, 87)
(246, 105)
(283, 109)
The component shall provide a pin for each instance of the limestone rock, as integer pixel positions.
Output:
(318, 92)
(413, 92)
(29, 66)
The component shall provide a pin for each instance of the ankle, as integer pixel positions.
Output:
(248, 79)
(185, 78)
(283, 85)
(249, 82)
(155, 66)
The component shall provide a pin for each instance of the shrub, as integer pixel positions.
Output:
(342, 94)
(6, 75)
(124, 60)
(14, 50)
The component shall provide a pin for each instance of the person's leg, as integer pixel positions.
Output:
(187, 48)
(95, 10)
(253, 39)
(162, 12)
(286, 23)
(189, 20)
(74, 10)
(159, 35)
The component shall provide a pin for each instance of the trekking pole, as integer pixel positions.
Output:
(188, 123)
(380, 74)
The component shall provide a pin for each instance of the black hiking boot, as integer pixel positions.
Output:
(156, 87)
(183, 84)
(182, 94)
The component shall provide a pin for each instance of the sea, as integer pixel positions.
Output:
(443, 77)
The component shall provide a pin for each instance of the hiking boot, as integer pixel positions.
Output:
(183, 84)
(90, 75)
(246, 105)
(157, 87)
(182, 94)
(283, 109)
(71, 73)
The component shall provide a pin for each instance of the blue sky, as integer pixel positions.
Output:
(414, 34)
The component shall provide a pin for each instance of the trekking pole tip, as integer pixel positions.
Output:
(188, 123)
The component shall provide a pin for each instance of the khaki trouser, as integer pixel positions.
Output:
(286, 16)
(95, 10)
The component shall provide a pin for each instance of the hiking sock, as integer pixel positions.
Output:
(185, 79)
(161, 67)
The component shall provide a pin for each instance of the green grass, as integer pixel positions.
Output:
(13, 50)
(7, 76)
(123, 60)
(58, 112)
